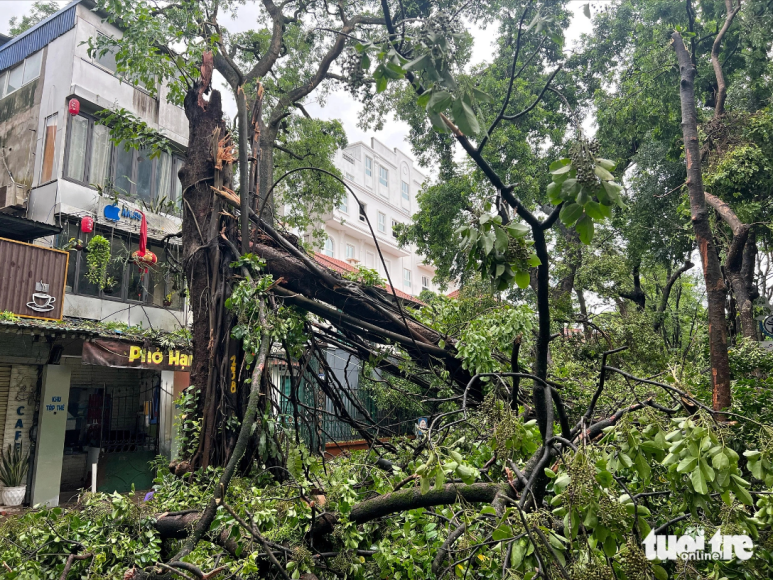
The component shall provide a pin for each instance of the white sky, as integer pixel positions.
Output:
(339, 104)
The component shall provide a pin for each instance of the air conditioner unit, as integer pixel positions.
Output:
(13, 194)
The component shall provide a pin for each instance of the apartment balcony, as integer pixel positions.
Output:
(358, 229)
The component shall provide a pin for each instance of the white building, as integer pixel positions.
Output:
(386, 183)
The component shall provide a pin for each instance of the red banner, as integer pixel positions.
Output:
(115, 353)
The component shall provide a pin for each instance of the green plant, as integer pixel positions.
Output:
(8, 316)
(107, 190)
(13, 465)
(97, 259)
(365, 276)
(70, 244)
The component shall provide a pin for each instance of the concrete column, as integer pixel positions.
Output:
(52, 423)
(166, 414)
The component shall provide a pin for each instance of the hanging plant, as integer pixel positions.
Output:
(97, 259)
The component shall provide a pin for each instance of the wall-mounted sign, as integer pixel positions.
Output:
(116, 353)
(112, 213)
(41, 301)
(767, 325)
(130, 213)
(33, 280)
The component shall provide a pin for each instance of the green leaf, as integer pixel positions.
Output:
(605, 210)
(550, 473)
(560, 163)
(381, 83)
(502, 240)
(517, 230)
(437, 121)
(570, 213)
(687, 464)
(561, 169)
(610, 546)
(743, 496)
(593, 209)
(517, 553)
(642, 467)
(534, 261)
(586, 10)
(606, 164)
(420, 63)
(365, 62)
(481, 96)
(584, 227)
(424, 99)
(439, 101)
(522, 278)
(602, 173)
(720, 461)
(698, 481)
(464, 117)
(503, 532)
(659, 572)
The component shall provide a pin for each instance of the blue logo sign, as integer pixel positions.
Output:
(112, 213)
(130, 213)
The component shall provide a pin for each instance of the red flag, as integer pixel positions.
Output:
(143, 236)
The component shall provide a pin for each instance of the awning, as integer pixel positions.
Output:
(25, 230)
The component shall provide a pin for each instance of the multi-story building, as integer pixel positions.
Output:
(62, 178)
(385, 182)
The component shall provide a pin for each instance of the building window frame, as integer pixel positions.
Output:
(383, 176)
(363, 212)
(405, 194)
(395, 223)
(368, 166)
(351, 252)
(330, 246)
(407, 277)
(382, 222)
(6, 74)
(174, 188)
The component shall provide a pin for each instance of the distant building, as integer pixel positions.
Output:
(386, 183)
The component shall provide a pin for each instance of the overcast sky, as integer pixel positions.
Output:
(339, 104)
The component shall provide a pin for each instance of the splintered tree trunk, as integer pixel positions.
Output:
(204, 269)
(716, 291)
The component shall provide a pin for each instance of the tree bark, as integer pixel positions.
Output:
(637, 295)
(721, 96)
(716, 291)
(667, 294)
(739, 265)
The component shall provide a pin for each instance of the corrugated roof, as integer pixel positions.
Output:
(30, 41)
(343, 267)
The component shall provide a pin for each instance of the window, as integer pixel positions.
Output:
(383, 176)
(394, 228)
(425, 282)
(329, 249)
(349, 251)
(350, 177)
(405, 195)
(344, 207)
(382, 222)
(32, 67)
(348, 158)
(107, 59)
(161, 286)
(49, 149)
(388, 266)
(91, 159)
(368, 166)
(406, 277)
(21, 74)
(363, 217)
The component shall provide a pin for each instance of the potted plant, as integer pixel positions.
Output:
(97, 260)
(168, 299)
(13, 472)
(110, 283)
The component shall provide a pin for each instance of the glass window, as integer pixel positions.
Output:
(362, 213)
(135, 280)
(144, 175)
(15, 79)
(157, 278)
(99, 165)
(394, 230)
(425, 282)
(49, 147)
(405, 194)
(107, 60)
(406, 277)
(32, 66)
(383, 176)
(382, 222)
(163, 177)
(369, 167)
(3, 79)
(76, 155)
(124, 162)
(177, 192)
(84, 286)
(349, 251)
(344, 207)
(350, 177)
(116, 268)
(329, 248)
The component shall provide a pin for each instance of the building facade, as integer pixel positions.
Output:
(385, 182)
(62, 182)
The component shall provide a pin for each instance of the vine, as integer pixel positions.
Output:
(97, 258)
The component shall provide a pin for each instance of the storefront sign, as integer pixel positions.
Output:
(33, 280)
(114, 353)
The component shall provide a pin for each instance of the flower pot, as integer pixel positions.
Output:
(107, 290)
(167, 302)
(13, 496)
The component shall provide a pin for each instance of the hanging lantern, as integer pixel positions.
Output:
(74, 106)
(87, 225)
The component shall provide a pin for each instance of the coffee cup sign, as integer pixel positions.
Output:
(41, 301)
